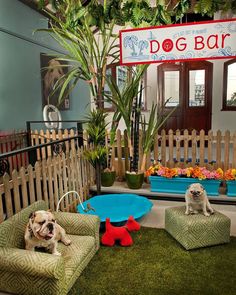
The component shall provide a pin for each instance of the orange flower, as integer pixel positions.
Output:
(230, 174)
(194, 172)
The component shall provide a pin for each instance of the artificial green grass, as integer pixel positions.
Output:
(157, 264)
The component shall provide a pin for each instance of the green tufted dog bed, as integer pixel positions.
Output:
(196, 231)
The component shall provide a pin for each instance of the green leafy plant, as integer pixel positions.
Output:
(232, 101)
(157, 119)
(96, 153)
(127, 107)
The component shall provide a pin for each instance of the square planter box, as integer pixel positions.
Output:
(231, 188)
(178, 185)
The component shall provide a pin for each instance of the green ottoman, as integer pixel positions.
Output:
(197, 230)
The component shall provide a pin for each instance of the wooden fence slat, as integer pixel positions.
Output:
(163, 148)
(60, 180)
(36, 136)
(218, 149)
(186, 140)
(202, 148)
(73, 168)
(72, 142)
(156, 147)
(65, 179)
(50, 184)
(226, 149)
(48, 139)
(171, 147)
(66, 135)
(24, 190)
(16, 193)
(79, 171)
(68, 165)
(76, 172)
(8, 200)
(42, 140)
(210, 149)
(85, 187)
(178, 141)
(45, 183)
(31, 184)
(38, 181)
(194, 147)
(55, 181)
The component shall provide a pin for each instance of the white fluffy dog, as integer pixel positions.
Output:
(196, 199)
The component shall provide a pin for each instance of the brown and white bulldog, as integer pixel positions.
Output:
(43, 231)
(196, 199)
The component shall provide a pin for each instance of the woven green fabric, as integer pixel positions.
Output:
(36, 273)
(197, 230)
(32, 263)
(80, 224)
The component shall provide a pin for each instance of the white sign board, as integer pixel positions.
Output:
(191, 41)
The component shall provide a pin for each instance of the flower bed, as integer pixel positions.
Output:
(177, 180)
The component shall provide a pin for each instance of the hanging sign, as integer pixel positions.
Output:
(191, 41)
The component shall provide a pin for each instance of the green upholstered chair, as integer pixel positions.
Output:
(197, 230)
(29, 272)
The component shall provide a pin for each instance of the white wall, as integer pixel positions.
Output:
(222, 120)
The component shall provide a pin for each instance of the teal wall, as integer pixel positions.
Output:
(20, 78)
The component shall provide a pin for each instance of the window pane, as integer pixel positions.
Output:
(231, 85)
(107, 105)
(121, 76)
(171, 82)
(196, 88)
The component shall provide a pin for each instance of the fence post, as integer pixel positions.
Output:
(32, 154)
(80, 134)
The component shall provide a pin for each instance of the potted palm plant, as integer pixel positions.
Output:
(96, 152)
(128, 106)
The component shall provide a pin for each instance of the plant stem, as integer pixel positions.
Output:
(98, 177)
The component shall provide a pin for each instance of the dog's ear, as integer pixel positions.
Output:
(32, 215)
(202, 187)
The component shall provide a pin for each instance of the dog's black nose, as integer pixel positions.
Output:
(50, 226)
(196, 193)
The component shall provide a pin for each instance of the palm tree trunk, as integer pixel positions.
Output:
(138, 102)
(143, 165)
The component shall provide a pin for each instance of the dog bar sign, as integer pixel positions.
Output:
(191, 41)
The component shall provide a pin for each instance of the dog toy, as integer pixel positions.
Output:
(121, 233)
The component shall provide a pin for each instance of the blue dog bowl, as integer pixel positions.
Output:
(117, 207)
